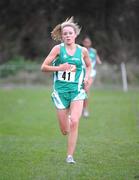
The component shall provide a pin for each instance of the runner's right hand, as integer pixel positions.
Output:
(64, 67)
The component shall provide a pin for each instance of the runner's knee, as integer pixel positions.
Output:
(64, 132)
(74, 123)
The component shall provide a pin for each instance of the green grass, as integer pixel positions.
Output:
(32, 147)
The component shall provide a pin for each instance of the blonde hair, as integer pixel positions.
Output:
(57, 31)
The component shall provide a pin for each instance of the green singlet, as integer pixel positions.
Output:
(67, 81)
(68, 85)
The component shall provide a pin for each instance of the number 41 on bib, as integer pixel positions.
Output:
(68, 76)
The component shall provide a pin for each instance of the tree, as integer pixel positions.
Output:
(25, 26)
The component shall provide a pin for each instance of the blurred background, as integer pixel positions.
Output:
(25, 38)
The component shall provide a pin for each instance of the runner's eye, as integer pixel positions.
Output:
(65, 33)
(70, 33)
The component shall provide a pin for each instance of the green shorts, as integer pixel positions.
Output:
(63, 100)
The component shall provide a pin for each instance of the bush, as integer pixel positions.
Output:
(16, 64)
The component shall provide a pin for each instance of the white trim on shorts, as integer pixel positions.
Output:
(81, 96)
(93, 73)
(57, 101)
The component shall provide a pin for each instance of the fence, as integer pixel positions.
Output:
(108, 76)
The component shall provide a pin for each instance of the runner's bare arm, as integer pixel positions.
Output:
(47, 64)
(87, 62)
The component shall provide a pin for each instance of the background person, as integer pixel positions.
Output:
(68, 62)
(94, 59)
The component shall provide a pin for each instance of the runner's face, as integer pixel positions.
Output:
(87, 43)
(68, 35)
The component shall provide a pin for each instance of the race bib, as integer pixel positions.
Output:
(68, 76)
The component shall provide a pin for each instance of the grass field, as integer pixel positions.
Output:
(32, 147)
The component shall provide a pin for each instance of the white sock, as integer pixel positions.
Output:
(69, 156)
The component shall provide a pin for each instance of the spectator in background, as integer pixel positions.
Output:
(94, 59)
